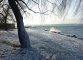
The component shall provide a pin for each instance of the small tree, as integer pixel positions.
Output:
(5, 13)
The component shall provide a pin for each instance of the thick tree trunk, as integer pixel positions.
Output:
(23, 36)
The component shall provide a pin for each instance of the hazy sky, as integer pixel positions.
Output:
(70, 18)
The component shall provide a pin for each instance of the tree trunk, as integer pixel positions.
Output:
(6, 14)
(23, 36)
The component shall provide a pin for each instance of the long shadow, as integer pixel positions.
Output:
(13, 35)
(45, 49)
(25, 54)
(55, 50)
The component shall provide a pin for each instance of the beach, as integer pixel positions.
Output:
(45, 46)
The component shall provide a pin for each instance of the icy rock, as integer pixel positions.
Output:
(54, 30)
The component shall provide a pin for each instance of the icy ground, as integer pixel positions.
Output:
(45, 46)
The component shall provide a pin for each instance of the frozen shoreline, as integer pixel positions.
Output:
(45, 46)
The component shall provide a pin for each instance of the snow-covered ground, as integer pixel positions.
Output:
(45, 46)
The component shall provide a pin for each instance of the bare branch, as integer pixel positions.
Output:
(33, 10)
(77, 8)
(1, 1)
(35, 2)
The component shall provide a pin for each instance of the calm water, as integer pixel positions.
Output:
(68, 29)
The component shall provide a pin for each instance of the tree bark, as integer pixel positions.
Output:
(23, 36)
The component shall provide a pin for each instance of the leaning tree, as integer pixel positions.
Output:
(23, 36)
(43, 7)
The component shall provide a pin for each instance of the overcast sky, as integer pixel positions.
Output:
(69, 18)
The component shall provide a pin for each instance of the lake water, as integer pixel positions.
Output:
(68, 29)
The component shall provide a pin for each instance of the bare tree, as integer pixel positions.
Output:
(5, 12)
(23, 36)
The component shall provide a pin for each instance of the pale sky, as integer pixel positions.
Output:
(39, 19)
